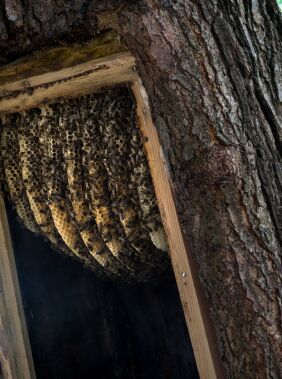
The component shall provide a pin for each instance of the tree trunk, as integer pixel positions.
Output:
(212, 70)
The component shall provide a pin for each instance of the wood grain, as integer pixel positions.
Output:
(15, 75)
(193, 302)
(84, 78)
(15, 353)
(71, 82)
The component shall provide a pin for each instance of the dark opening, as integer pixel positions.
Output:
(82, 327)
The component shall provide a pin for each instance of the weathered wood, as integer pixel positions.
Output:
(70, 82)
(111, 70)
(15, 76)
(15, 354)
(195, 309)
(210, 69)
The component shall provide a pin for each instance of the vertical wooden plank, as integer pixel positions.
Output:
(193, 301)
(15, 353)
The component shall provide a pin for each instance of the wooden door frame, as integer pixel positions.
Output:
(79, 70)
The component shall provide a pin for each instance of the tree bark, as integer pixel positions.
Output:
(212, 70)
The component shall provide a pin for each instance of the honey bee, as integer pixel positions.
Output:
(77, 174)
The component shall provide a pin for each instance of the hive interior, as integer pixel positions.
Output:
(77, 173)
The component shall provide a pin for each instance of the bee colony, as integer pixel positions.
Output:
(76, 173)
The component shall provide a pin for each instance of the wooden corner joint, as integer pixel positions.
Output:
(30, 84)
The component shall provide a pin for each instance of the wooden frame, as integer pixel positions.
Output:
(80, 70)
(15, 353)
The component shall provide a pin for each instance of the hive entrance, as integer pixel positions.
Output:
(77, 173)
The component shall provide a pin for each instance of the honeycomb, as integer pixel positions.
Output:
(72, 134)
(14, 180)
(77, 173)
(55, 183)
(32, 174)
(100, 202)
(113, 141)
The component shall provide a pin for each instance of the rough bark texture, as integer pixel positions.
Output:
(212, 70)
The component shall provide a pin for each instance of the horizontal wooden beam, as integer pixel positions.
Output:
(31, 85)
(108, 71)
(18, 75)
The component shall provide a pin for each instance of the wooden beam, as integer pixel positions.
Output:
(15, 353)
(70, 82)
(193, 301)
(36, 87)
(15, 76)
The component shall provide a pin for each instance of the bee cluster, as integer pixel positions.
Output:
(77, 173)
